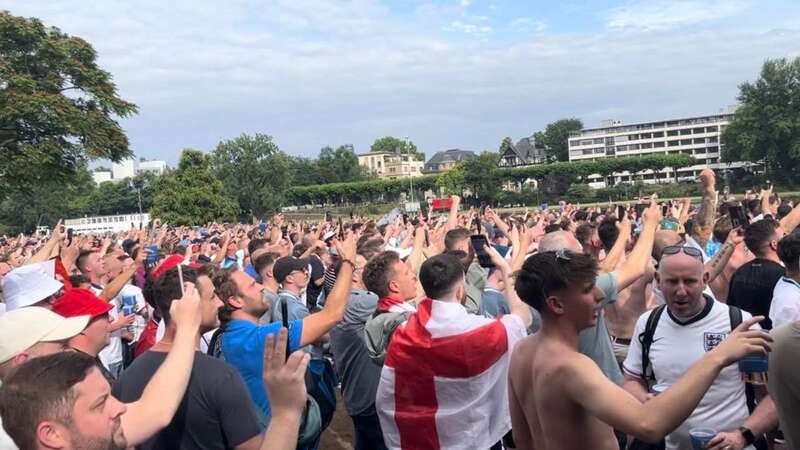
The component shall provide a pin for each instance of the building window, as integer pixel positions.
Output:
(686, 142)
(672, 133)
(658, 144)
(698, 130)
(711, 129)
(685, 132)
(673, 143)
(658, 134)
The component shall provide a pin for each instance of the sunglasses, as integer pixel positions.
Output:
(675, 249)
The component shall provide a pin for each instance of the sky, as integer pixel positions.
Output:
(447, 74)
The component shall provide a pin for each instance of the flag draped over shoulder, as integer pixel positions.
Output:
(444, 382)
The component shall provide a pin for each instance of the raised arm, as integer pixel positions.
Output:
(704, 220)
(616, 252)
(515, 305)
(113, 288)
(319, 323)
(636, 264)
(44, 253)
(792, 220)
(651, 421)
(165, 390)
(717, 264)
(452, 218)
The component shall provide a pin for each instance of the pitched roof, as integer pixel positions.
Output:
(454, 155)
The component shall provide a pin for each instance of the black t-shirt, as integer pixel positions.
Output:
(216, 412)
(312, 291)
(752, 285)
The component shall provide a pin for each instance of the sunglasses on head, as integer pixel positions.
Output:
(675, 249)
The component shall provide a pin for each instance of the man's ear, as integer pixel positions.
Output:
(394, 286)
(555, 305)
(52, 435)
(235, 301)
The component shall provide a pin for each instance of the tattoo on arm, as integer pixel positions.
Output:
(704, 220)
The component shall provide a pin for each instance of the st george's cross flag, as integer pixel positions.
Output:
(444, 382)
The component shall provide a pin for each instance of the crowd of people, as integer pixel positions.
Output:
(609, 327)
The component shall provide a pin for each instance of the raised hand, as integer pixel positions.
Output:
(185, 311)
(743, 341)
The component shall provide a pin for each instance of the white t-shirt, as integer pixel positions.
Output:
(112, 353)
(677, 347)
(785, 305)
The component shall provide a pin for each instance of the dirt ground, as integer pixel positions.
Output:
(339, 435)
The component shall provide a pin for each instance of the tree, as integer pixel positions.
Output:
(390, 144)
(57, 107)
(555, 138)
(481, 175)
(339, 166)
(192, 194)
(505, 145)
(303, 171)
(46, 203)
(766, 127)
(253, 170)
(118, 197)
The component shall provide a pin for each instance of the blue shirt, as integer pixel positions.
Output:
(250, 270)
(243, 348)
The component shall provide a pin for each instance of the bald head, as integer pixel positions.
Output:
(683, 262)
(664, 239)
(559, 240)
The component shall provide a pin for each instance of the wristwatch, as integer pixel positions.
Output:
(748, 435)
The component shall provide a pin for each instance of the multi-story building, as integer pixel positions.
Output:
(129, 168)
(155, 167)
(446, 160)
(695, 136)
(526, 152)
(391, 165)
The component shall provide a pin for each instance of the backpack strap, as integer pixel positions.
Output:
(735, 315)
(646, 339)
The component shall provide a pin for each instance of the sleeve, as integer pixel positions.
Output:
(297, 311)
(607, 283)
(633, 362)
(236, 411)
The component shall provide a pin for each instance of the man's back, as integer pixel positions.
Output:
(540, 416)
(358, 374)
(752, 286)
(444, 381)
(784, 380)
(215, 413)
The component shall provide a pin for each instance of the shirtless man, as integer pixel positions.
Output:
(559, 399)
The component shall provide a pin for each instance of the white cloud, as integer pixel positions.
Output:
(348, 72)
(528, 24)
(465, 3)
(667, 14)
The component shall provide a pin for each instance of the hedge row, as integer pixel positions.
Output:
(387, 190)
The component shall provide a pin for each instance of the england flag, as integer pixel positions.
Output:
(444, 382)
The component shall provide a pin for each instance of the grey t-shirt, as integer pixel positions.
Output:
(595, 342)
(358, 374)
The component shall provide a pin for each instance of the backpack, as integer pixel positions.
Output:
(646, 338)
(378, 333)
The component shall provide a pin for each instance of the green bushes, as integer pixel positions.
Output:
(382, 191)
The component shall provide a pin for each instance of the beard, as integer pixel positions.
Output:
(116, 441)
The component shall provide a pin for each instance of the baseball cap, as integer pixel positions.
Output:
(27, 285)
(22, 328)
(81, 302)
(286, 265)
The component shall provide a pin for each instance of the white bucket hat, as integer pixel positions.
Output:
(27, 285)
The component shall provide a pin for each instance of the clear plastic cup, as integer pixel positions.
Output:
(754, 368)
(701, 437)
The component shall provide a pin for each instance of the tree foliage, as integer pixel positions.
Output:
(390, 144)
(253, 171)
(57, 107)
(505, 145)
(192, 194)
(339, 166)
(555, 138)
(766, 127)
(487, 179)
